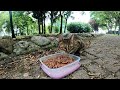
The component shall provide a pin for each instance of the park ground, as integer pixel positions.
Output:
(106, 64)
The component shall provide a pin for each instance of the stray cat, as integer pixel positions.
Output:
(74, 44)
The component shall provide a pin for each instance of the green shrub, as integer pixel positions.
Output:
(56, 29)
(78, 27)
(35, 33)
(49, 28)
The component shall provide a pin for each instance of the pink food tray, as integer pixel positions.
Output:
(61, 72)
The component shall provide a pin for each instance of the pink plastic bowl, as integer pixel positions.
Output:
(62, 71)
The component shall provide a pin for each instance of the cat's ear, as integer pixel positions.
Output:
(60, 37)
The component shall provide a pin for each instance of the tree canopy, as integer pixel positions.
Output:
(108, 19)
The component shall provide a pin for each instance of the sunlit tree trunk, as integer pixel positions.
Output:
(65, 25)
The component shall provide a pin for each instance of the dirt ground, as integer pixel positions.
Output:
(106, 64)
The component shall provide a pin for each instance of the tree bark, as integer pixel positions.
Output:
(39, 26)
(61, 22)
(51, 21)
(115, 26)
(20, 32)
(96, 27)
(11, 24)
(119, 29)
(44, 25)
(51, 25)
(108, 27)
(65, 26)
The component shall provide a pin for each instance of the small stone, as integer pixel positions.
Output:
(3, 55)
(40, 40)
(26, 74)
(38, 76)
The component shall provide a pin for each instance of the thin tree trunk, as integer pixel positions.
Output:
(11, 24)
(61, 23)
(39, 26)
(51, 27)
(20, 32)
(51, 22)
(108, 28)
(65, 26)
(44, 25)
(115, 26)
(119, 29)
(119, 24)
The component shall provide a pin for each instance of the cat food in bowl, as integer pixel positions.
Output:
(59, 65)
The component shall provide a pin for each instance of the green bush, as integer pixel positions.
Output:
(78, 27)
(56, 29)
(49, 28)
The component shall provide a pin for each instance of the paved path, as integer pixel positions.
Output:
(107, 63)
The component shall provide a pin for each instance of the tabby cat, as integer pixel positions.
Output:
(73, 44)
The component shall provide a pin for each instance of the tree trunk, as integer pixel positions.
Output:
(11, 24)
(96, 28)
(51, 25)
(20, 32)
(44, 25)
(115, 26)
(65, 26)
(108, 28)
(119, 29)
(39, 26)
(51, 21)
(61, 22)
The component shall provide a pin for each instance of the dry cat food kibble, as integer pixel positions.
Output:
(58, 61)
